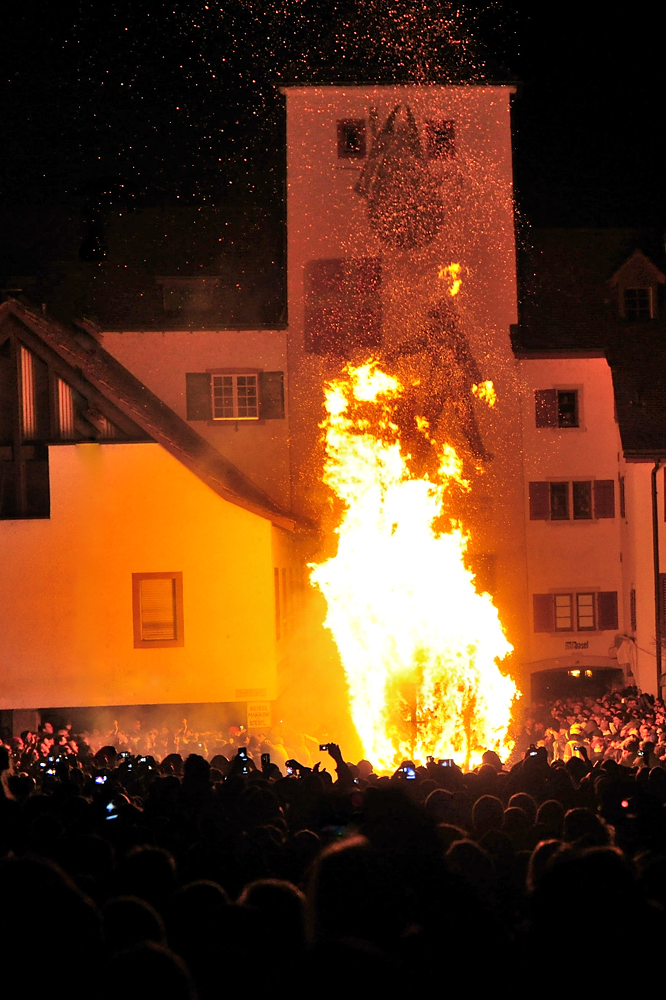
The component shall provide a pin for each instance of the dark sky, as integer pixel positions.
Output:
(178, 104)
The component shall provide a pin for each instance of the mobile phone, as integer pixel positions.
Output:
(324, 747)
(409, 772)
(242, 752)
(290, 770)
(111, 810)
(578, 748)
(534, 753)
(125, 754)
(101, 779)
(641, 753)
(265, 759)
(143, 760)
(50, 770)
(430, 760)
(447, 762)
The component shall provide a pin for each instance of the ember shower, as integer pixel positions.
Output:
(419, 645)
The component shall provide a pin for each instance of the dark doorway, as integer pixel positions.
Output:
(581, 682)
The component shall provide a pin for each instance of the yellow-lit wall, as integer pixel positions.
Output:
(66, 634)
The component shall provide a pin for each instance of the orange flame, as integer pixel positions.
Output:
(419, 645)
(485, 391)
(451, 271)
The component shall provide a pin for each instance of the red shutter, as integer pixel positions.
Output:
(545, 406)
(539, 502)
(607, 610)
(544, 612)
(604, 498)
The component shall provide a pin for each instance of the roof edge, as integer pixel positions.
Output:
(554, 353)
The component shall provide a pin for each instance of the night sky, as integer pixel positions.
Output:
(106, 103)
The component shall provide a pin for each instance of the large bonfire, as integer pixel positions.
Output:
(420, 645)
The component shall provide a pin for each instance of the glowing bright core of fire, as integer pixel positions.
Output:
(419, 645)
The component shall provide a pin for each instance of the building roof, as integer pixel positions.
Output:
(570, 287)
(139, 408)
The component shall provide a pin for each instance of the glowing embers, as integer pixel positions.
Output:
(486, 392)
(420, 647)
(451, 273)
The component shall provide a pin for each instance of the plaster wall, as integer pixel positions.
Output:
(573, 555)
(640, 568)
(66, 627)
(161, 360)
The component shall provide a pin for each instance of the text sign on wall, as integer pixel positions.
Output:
(258, 715)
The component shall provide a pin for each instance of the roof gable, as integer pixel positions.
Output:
(638, 271)
(130, 406)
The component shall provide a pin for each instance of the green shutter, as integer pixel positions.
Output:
(197, 388)
(271, 395)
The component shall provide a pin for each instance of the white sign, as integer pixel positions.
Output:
(258, 715)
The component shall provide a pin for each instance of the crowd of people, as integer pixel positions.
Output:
(123, 871)
(624, 726)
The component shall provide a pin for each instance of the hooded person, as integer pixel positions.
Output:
(577, 740)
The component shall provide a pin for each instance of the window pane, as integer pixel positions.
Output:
(563, 620)
(585, 612)
(351, 139)
(559, 501)
(638, 303)
(582, 500)
(567, 409)
(235, 397)
(158, 609)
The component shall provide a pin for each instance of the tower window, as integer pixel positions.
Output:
(440, 139)
(351, 139)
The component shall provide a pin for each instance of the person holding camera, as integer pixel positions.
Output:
(576, 744)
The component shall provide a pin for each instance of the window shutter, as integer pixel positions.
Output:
(271, 395)
(197, 389)
(158, 609)
(607, 608)
(623, 497)
(604, 498)
(544, 612)
(545, 405)
(539, 502)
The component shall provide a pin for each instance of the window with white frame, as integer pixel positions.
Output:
(235, 397)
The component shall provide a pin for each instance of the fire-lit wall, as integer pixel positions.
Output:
(575, 555)
(161, 360)
(66, 616)
(327, 219)
(639, 567)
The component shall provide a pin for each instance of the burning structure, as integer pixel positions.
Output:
(473, 484)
